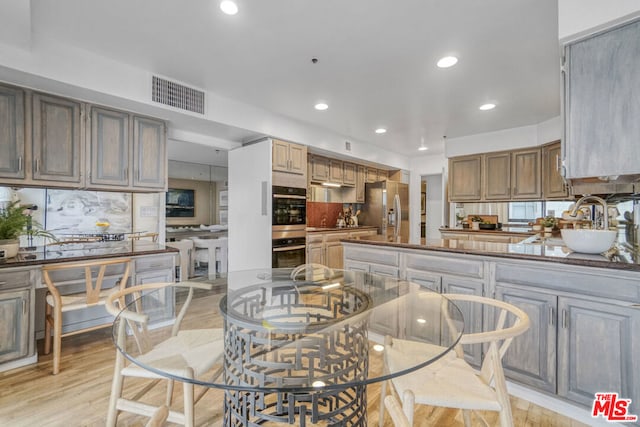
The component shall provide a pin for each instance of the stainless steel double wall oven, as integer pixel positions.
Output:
(289, 224)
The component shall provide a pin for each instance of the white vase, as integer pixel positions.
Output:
(9, 248)
(475, 225)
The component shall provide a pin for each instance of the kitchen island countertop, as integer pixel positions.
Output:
(84, 251)
(326, 229)
(619, 257)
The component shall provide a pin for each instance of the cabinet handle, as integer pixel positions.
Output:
(564, 319)
(24, 306)
(551, 316)
(557, 162)
(19, 163)
(37, 166)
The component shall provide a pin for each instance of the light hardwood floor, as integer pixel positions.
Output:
(79, 394)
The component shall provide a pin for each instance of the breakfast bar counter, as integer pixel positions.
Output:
(532, 248)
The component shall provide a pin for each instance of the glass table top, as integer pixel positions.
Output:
(269, 332)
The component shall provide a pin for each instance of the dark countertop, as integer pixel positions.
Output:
(325, 229)
(620, 257)
(503, 230)
(84, 251)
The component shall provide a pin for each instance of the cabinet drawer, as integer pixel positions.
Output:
(154, 263)
(375, 257)
(315, 237)
(335, 237)
(459, 267)
(14, 279)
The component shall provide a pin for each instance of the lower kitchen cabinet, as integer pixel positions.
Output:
(326, 247)
(598, 350)
(157, 269)
(14, 324)
(531, 358)
(16, 316)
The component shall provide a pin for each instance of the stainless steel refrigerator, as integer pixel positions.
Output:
(387, 207)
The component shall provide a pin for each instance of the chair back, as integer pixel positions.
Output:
(93, 286)
(510, 322)
(312, 271)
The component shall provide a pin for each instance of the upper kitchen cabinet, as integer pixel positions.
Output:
(371, 175)
(525, 174)
(126, 152)
(349, 173)
(335, 171)
(497, 176)
(12, 147)
(56, 139)
(553, 185)
(289, 157)
(319, 168)
(149, 153)
(360, 181)
(602, 87)
(109, 148)
(465, 178)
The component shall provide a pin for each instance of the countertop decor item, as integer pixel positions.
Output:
(16, 221)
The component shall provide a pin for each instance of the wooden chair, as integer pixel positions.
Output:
(395, 410)
(93, 294)
(185, 353)
(451, 382)
(312, 271)
(159, 417)
(146, 236)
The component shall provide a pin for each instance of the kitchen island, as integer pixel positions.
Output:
(22, 290)
(584, 309)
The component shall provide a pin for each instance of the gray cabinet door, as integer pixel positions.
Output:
(110, 148)
(526, 172)
(602, 88)
(421, 323)
(465, 178)
(12, 154)
(14, 324)
(497, 176)
(531, 358)
(553, 185)
(596, 350)
(149, 153)
(57, 139)
(163, 309)
(472, 313)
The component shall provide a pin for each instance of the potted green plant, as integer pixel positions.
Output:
(548, 222)
(16, 221)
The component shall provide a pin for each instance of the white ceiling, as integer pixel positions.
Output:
(376, 58)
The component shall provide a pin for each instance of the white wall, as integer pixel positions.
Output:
(249, 228)
(420, 166)
(435, 205)
(580, 17)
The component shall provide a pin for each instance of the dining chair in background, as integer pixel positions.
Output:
(185, 353)
(450, 381)
(185, 259)
(68, 278)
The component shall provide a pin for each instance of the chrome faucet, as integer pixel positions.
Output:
(605, 213)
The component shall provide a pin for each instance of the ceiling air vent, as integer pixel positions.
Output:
(177, 95)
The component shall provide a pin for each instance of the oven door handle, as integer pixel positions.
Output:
(289, 248)
(287, 196)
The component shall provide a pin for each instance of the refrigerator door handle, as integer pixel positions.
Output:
(398, 209)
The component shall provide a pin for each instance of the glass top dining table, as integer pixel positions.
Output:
(297, 347)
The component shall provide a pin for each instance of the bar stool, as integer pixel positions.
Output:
(57, 303)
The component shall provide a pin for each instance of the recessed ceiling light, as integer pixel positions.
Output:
(489, 106)
(381, 130)
(229, 7)
(321, 106)
(447, 61)
(422, 146)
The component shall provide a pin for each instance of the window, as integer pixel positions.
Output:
(524, 212)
